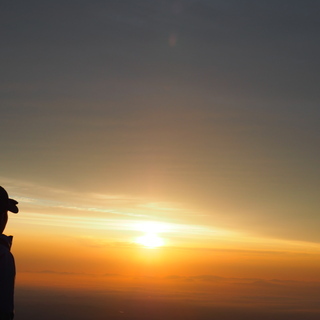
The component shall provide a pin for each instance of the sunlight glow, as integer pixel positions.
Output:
(150, 240)
(152, 227)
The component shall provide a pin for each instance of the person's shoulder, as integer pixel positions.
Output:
(6, 240)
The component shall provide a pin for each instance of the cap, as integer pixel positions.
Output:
(6, 203)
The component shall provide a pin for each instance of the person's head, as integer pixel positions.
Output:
(6, 204)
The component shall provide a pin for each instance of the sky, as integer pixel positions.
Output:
(161, 152)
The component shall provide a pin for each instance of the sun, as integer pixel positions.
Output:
(150, 240)
(151, 229)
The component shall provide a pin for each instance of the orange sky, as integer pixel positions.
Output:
(58, 238)
(188, 126)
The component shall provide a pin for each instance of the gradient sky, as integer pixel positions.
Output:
(201, 116)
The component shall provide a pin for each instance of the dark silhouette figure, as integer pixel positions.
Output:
(7, 266)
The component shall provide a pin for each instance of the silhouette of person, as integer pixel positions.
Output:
(7, 265)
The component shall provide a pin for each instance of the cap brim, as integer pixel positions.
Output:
(12, 206)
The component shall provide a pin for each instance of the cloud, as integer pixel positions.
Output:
(150, 299)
